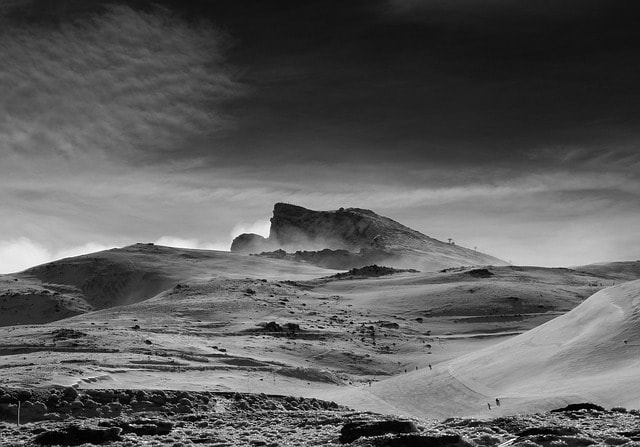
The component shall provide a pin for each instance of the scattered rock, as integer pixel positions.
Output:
(30, 411)
(414, 440)
(557, 431)
(354, 430)
(63, 334)
(8, 399)
(142, 427)
(76, 435)
(102, 396)
(76, 405)
(578, 407)
(158, 397)
(371, 271)
(480, 273)
(70, 394)
(24, 395)
(272, 326)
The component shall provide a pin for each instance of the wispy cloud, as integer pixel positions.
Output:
(171, 241)
(20, 253)
(221, 243)
(260, 227)
(97, 114)
(124, 84)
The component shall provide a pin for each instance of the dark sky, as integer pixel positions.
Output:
(511, 126)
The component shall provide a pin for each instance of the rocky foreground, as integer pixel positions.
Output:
(68, 416)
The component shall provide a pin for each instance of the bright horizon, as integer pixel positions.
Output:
(25, 253)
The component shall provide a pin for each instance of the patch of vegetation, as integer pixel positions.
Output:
(63, 334)
(480, 273)
(371, 271)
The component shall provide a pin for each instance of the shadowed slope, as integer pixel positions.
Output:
(124, 276)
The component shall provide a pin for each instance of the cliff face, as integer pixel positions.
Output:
(350, 229)
(294, 228)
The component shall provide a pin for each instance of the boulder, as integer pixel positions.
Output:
(76, 435)
(70, 394)
(248, 243)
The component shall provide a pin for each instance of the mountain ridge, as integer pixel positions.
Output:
(359, 231)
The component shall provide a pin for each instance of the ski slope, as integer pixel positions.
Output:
(591, 353)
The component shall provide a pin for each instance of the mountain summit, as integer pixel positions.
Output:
(356, 237)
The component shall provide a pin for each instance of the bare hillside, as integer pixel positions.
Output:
(620, 271)
(123, 276)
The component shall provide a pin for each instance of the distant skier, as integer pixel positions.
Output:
(430, 366)
(497, 402)
(489, 405)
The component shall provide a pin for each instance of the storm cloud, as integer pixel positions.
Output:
(508, 126)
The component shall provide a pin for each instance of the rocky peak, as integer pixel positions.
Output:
(303, 229)
(295, 228)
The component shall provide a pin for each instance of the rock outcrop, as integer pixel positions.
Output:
(248, 243)
(366, 236)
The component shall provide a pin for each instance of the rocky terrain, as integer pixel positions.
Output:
(337, 259)
(353, 237)
(67, 416)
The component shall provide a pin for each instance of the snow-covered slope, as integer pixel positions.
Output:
(592, 353)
